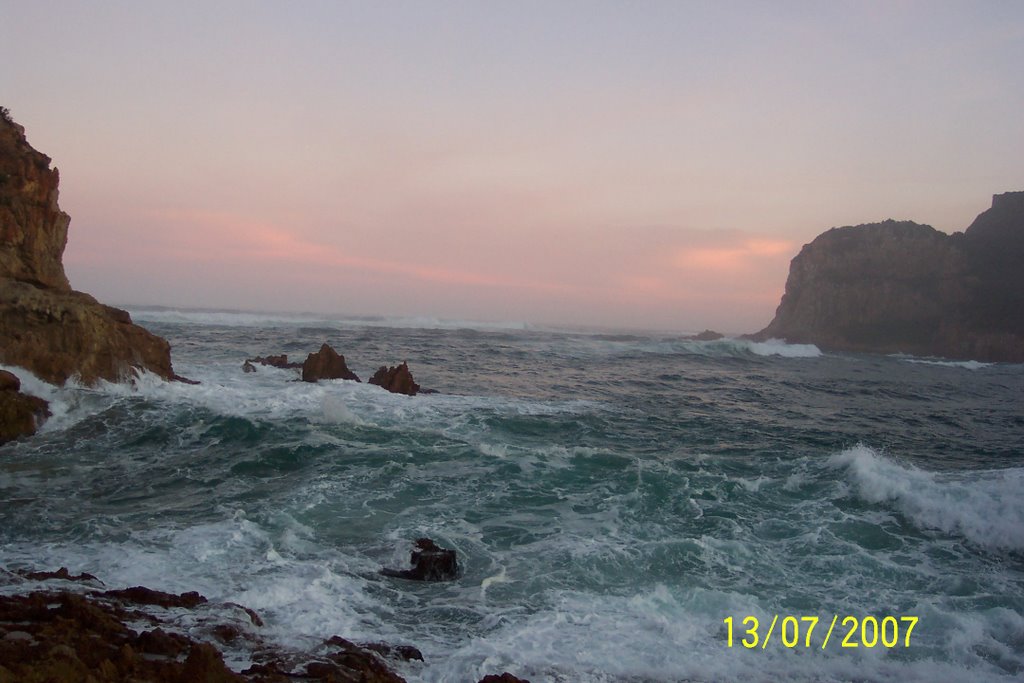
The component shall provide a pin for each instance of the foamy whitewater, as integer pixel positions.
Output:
(612, 498)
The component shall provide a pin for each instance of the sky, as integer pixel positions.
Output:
(625, 164)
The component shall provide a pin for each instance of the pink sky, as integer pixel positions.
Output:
(649, 165)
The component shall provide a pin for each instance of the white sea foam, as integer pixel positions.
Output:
(778, 347)
(726, 347)
(966, 364)
(983, 506)
(258, 319)
(663, 635)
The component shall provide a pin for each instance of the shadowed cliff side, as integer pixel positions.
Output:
(45, 326)
(901, 287)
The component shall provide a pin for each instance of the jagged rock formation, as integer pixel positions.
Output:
(396, 379)
(430, 562)
(897, 287)
(20, 415)
(45, 326)
(326, 364)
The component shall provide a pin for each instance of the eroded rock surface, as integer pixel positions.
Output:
(132, 635)
(20, 414)
(396, 379)
(45, 326)
(430, 562)
(326, 364)
(903, 287)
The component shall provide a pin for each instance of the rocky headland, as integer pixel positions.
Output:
(901, 287)
(47, 327)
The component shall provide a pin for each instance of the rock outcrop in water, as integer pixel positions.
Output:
(396, 379)
(20, 414)
(901, 287)
(430, 562)
(68, 636)
(326, 364)
(45, 326)
(278, 361)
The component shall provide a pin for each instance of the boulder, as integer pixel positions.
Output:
(20, 414)
(397, 380)
(430, 562)
(326, 364)
(9, 381)
(45, 326)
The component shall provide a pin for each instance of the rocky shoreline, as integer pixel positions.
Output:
(56, 627)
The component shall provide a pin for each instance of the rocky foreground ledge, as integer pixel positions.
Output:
(82, 632)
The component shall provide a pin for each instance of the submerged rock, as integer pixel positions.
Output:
(45, 326)
(326, 364)
(278, 361)
(430, 562)
(20, 414)
(61, 574)
(706, 335)
(396, 379)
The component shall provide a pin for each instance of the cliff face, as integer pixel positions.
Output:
(902, 287)
(45, 326)
(33, 229)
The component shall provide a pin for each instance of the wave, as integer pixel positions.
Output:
(778, 347)
(310, 320)
(968, 364)
(983, 506)
(728, 347)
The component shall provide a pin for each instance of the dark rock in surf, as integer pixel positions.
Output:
(360, 663)
(20, 414)
(706, 335)
(430, 562)
(396, 379)
(406, 653)
(506, 677)
(62, 574)
(279, 361)
(326, 364)
(247, 367)
(147, 596)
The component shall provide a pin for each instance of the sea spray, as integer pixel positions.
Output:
(612, 498)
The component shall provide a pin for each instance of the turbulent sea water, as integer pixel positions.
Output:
(612, 498)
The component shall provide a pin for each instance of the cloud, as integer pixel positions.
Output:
(730, 259)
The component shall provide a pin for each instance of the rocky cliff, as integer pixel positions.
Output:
(45, 326)
(896, 287)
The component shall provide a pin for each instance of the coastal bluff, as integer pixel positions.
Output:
(902, 287)
(47, 327)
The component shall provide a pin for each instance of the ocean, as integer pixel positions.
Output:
(613, 499)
